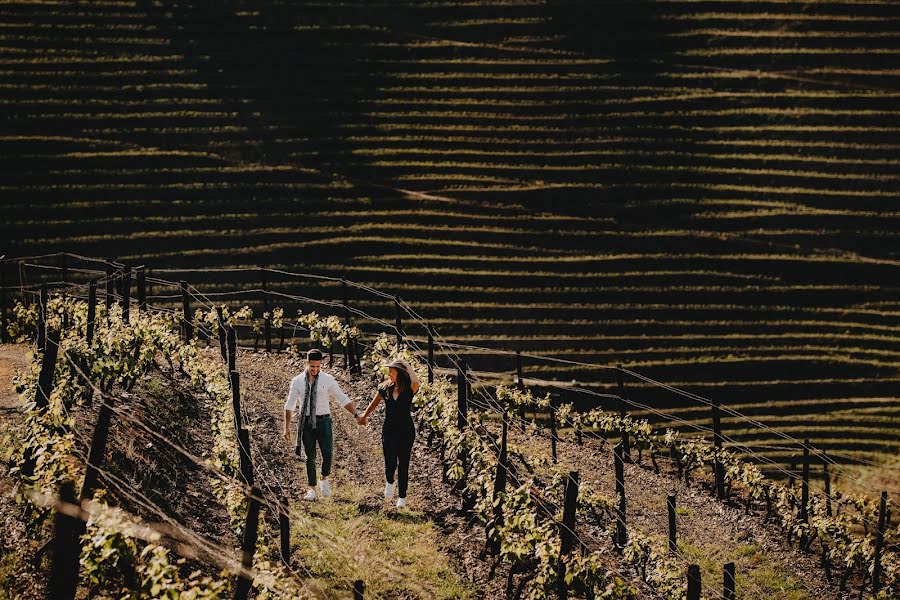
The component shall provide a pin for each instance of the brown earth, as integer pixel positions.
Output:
(705, 525)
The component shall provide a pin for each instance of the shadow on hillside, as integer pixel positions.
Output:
(298, 87)
(641, 48)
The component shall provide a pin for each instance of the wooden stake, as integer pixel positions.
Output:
(728, 582)
(399, 323)
(126, 294)
(187, 325)
(621, 534)
(66, 549)
(48, 366)
(97, 451)
(626, 448)
(879, 543)
(673, 539)
(248, 546)
(693, 582)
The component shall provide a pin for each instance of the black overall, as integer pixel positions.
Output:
(398, 435)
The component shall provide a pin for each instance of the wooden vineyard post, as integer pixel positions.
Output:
(220, 329)
(576, 423)
(520, 383)
(234, 378)
(717, 442)
(551, 413)
(804, 492)
(48, 366)
(42, 393)
(879, 543)
(66, 549)
(284, 529)
(248, 546)
(430, 354)
(567, 534)
(92, 312)
(231, 338)
(26, 298)
(267, 316)
(142, 289)
(187, 325)
(88, 394)
(246, 459)
(567, 530)
(110, 289)
(673, 539)
(42, 318)
(126, 294)
(621, 536)
(626, 448)
(4, 304)
(97, 451)
(462, 422)
(827, 477)
(398, 321)
(499, 488)
(693, 582)
(728, 592)
(462, 400)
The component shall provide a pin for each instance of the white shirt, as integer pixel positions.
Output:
(326, 387)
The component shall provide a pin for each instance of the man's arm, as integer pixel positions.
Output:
(364, 418)
(290, 406)
(345, 400)
(287, 426)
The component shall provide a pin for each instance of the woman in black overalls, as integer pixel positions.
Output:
(399, 433)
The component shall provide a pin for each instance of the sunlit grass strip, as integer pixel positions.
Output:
(630, 166)
(768, 16)
(790, 51)
(567, 153)
(779, 33)
(327, 243)
(479, 142)
(625, 256)
(663, 95)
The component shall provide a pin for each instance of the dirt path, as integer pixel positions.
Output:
(357, 480)
(369, 531)
(710, 534)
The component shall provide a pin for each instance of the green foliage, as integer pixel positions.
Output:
(527, 535)
(120, 354)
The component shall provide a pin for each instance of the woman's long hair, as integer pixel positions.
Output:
(403, 381)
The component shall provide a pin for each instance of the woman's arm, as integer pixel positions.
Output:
(364, 418)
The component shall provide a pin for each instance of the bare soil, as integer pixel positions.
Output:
(703, 523)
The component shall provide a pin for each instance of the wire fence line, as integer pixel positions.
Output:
(208, 301)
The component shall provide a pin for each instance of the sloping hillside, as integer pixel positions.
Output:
(704, 191)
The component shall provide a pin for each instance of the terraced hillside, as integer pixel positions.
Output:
(704, 191)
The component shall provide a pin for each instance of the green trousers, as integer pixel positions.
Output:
(322, 435)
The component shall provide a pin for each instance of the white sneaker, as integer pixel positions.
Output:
(310, 495)
(388, 491)
(401, 502)
(326, 489)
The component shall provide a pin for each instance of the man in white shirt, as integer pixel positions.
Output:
(309, 395)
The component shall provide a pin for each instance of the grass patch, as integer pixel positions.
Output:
(756, 574)
(354, 536)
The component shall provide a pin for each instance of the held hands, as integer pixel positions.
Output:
(362, 420)
(287, 436)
